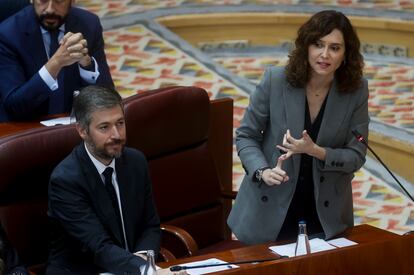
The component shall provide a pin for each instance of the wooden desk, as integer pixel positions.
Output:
(377, 252)
(8, 128)
(12, 127)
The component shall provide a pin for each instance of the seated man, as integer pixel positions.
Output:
(47, 51)
(100, 196)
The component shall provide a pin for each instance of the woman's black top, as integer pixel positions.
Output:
(302, 206)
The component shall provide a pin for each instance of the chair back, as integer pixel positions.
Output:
(172, 129)
(170, 125)
(27, 160)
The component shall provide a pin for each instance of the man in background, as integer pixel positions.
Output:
(47, 51)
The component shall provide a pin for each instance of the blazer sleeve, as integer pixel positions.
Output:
(70, 205)
(97, 50)
(250, 134)
(19, 96)
(9, 256)
(151, 235)
(351, 156)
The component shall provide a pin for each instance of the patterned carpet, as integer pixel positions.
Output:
(144, 55)
(109, 8)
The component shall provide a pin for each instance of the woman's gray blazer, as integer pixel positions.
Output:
(259, 210)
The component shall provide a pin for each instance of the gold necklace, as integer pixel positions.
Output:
(315, 93)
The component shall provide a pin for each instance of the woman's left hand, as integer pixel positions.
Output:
(292, 145)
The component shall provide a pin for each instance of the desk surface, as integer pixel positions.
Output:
(377, 251)
(13, 127)
(8, 128)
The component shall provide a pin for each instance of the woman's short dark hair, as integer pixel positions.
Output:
(349, 74)
(91, 99)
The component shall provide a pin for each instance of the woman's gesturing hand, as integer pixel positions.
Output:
(276, 176)
(292, 145)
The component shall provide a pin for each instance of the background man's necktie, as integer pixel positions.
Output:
(56, 99)
(54, 42)
(112, 194)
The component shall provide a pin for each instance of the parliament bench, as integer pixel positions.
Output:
(187, 140)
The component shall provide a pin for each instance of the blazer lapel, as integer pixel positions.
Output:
(34, 40)
(99, 196)
(125, 194)
(295, 116)
(335, 113)
(71, 24)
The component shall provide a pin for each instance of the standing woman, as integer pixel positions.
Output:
(295, 140)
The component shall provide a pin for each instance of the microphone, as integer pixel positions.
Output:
(184, 267)
(361, 139)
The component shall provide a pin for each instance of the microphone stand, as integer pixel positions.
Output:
(361, 139)
(184, 267)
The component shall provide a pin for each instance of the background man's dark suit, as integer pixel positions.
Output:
(10, 7)
(23, 93)
(86, 228)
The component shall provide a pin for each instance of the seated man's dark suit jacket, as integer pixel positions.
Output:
(23, 93)
(85, 235)
(9, 256)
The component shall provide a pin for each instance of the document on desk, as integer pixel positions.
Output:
(56, 121)
(207, 268)
(341, 242)
(316, 245)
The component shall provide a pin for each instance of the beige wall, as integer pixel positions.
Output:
(272, 29)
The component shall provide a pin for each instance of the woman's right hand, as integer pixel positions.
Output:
(277, 175)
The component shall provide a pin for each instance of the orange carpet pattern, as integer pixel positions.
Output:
(141, 59)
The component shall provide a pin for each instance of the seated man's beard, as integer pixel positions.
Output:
(43, 21)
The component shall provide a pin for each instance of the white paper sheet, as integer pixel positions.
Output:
(341, 242)
(205, 270)
(316, 245)
(56, 121)
(284, 250)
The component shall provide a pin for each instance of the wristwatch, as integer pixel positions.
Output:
(258, 174)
